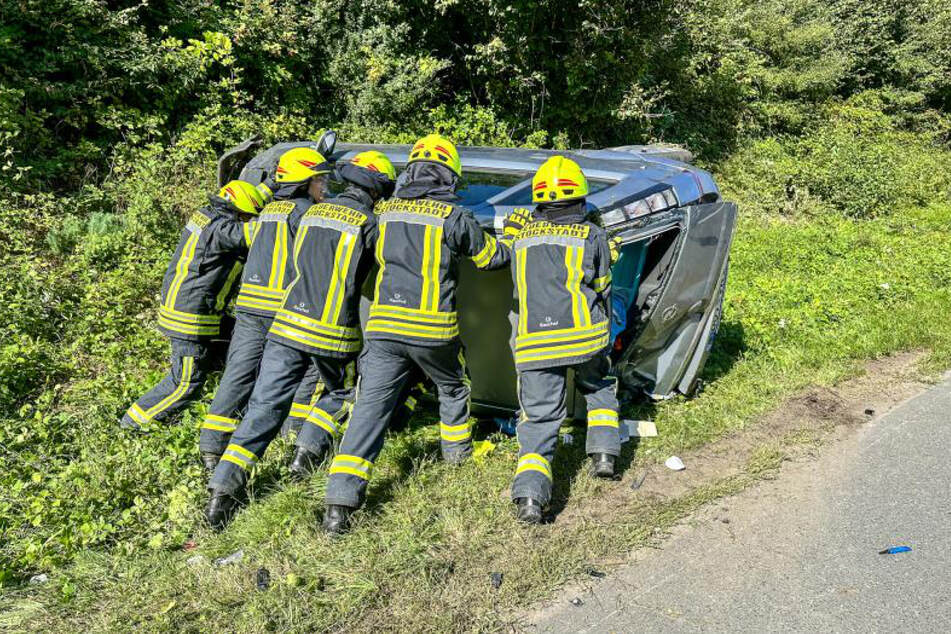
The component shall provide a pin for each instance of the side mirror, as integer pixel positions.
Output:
(326, 143)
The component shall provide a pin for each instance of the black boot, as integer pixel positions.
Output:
(305, 462)
(528, 510)
(209, 461)
(337, 519)
(457, 455)
(221, 508)
(602, 465)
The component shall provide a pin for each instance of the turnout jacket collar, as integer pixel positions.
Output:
(427, 180)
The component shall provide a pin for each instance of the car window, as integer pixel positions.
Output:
(477, 187)
(523, 195)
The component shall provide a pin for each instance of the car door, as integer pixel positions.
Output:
(678, 333)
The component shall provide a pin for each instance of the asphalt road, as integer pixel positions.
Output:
(800, 553)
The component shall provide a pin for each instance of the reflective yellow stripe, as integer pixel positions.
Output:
(228, 285)
(601, 283)
(137, 414)
(219, 423)
(455, 433)
(278, 255)
(188, 329)
(322, 419)
(338, 278)
(399, 328)
(602, 418)
(188, 364)
(484, 257)
(236, 461)
(521, 260)
(263, 291)
(299, 244)
(300, 410)
(573, 283)
(249, 232)
(557, 352)
(308, 323)
(189, 318)
(427, 268)
(398, 312)
(563, 334)
(379, 260)
(351, 465)
(534, 462)
(314, 340)
(241, 450)
(181, 269)
(263, 304)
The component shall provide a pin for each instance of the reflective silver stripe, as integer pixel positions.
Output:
(415, 219)
(564, 241)
(330, 223)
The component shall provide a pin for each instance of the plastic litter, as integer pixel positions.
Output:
(637, 429)
(36, 580)
(597, 574)
(506, 425)
(577, 602)
(895, 550)
(496, 578)
(482, 449)
(675, 464)
(233, 558)
(196, 560)
(263, 579)
(870, 412)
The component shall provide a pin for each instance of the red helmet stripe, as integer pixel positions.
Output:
(442, 149)
(567, 182)
(541, 185)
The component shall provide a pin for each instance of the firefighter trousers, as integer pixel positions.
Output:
(542, 395)
(191, 362)
(241, 371)
(385, 367)
(282, 369)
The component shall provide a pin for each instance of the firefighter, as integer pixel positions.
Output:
(299, 182)
(318, 325)
(412, 320)
(195, 291)
(561, 271)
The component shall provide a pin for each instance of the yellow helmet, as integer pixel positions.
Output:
(244, 196)
(300, 164)
(437, 149)
(558, 178)
(375, 162)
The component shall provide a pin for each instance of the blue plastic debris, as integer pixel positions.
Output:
(507, 425)
(895, 549)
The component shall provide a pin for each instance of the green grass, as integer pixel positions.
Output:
(808, 301)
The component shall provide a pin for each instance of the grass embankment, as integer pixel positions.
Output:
(807, 301)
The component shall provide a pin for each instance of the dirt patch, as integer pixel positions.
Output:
(796, 428)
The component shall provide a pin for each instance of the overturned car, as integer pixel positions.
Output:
(669, 281)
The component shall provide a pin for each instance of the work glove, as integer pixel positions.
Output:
(515, 222)
(614, 245)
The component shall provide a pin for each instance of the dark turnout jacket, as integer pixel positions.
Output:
(333, 254)
(561, 270)
(422, 236)
(201, 275)
(270, 268)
